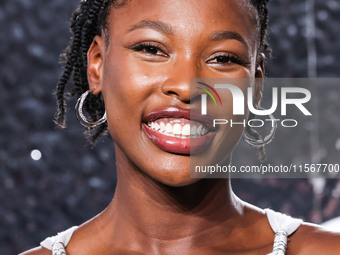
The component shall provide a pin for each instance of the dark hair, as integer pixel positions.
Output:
(89, 20)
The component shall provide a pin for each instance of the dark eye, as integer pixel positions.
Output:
(226, 59)
(149, 49)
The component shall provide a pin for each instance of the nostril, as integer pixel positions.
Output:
(183, 98)
(171, 93)
(177, 89)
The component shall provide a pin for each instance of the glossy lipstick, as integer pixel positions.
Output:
(164, 127)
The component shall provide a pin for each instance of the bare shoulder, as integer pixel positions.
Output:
(37, 251)
(313, 239)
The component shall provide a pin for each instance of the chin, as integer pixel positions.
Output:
(178, 181)
(173, 176)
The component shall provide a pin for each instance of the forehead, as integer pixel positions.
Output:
(189, 17)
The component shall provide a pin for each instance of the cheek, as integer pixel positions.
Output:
(129, 80)
(123, 94)
(129, 88)
(236, 122)
(124, 84)
(230, 125)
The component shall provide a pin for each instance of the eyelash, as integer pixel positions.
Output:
(152, 49)
(145, 46)
(228, 59)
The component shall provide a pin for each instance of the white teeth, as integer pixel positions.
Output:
(177, 129)
(199, 130)
(162, 126)
(186, 130)
(194, 130)
(168, 128)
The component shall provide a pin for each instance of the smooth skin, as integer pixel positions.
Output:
(155, 48)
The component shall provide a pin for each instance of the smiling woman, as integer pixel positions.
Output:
(137, 58)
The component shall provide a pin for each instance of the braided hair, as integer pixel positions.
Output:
(89, 20)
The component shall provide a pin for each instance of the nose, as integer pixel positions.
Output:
(177, 83)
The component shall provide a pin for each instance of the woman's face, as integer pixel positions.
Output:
(144, 73)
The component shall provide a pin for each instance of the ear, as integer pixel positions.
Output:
(95, 60)
(259, 72)
(259, 75)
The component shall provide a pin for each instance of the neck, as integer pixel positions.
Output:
(148, 210)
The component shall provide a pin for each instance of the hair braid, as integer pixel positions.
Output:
(262, 10)
(86, 23)
(261, 149)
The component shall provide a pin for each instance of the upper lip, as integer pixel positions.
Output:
(174, 112)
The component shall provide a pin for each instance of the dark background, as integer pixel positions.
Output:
(72, 182)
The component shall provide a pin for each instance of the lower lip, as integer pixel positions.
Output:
(177, 145)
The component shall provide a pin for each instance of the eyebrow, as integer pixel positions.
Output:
(167, 29)
(156, 25)
(228, 35)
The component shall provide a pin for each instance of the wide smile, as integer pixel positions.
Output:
(173, 130)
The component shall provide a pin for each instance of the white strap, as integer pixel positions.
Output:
(58, 243)
(283, 226)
